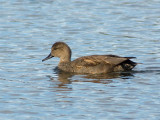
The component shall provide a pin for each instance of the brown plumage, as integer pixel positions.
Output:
(89, 64)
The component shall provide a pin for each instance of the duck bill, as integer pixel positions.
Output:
(48, 57)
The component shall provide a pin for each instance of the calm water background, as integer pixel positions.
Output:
(32, 90)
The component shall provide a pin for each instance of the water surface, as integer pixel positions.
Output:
(32, 90)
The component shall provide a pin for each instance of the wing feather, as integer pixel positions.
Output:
(94, 60)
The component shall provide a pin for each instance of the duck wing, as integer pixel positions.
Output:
(94, 60)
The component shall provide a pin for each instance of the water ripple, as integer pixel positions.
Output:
(32, 90)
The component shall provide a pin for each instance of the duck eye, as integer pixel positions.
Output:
(55, 48)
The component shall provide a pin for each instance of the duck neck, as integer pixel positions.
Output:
(65, 59)
(66, 56)
(65, 64)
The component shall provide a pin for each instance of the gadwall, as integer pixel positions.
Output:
(93, 64)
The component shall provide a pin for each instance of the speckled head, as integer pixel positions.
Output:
(61, 50)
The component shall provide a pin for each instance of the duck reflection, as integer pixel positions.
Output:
(66, 78)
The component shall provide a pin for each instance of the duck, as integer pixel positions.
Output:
(93, 64)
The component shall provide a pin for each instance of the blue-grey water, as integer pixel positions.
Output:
(32, 90)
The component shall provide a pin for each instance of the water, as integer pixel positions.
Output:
(32, 90)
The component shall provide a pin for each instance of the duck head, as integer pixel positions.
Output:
(61, 50)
